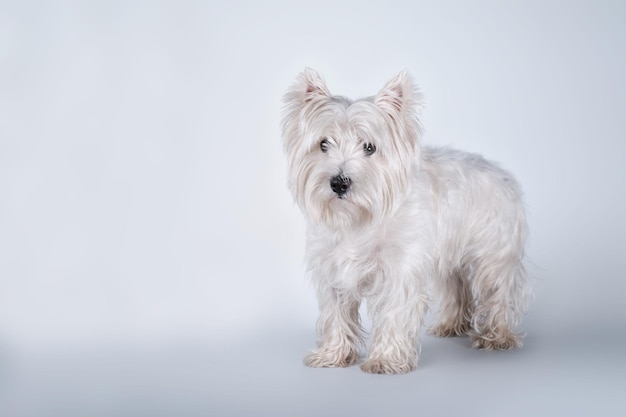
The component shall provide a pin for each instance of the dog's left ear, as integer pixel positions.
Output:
(396, 97)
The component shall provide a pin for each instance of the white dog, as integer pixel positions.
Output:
(387, 218)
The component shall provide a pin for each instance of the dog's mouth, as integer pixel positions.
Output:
(345, 210)
(343, 201)
(343, 197)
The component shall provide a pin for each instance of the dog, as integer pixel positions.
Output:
(391, 223)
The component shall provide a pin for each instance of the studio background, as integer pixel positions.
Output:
(151, 258)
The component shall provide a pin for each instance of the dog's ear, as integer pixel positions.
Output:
(312, 85)
(396, 97)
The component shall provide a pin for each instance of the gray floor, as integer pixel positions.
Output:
(554, 374)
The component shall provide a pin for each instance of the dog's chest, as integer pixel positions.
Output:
(354, 262)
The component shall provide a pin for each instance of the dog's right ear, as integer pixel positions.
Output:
(312, 85)
(299, 102)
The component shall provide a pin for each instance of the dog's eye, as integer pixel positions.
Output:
(369, 149)
(324, 144)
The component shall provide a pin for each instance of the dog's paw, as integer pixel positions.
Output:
(497, 341)
(330, 358)
(450, 329)
(382, 366)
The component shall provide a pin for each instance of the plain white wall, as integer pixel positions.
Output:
(142, 181)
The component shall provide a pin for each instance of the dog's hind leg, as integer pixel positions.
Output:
(455, 312)
(500, 290)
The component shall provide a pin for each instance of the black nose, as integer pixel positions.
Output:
(340, 184)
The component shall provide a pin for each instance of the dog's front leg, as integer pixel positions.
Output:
(397, 312)
(339, 330)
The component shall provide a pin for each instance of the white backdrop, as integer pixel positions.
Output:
(142, 181)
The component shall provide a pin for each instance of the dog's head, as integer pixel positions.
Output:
(350, 162)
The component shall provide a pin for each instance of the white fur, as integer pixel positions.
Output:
(413, 219)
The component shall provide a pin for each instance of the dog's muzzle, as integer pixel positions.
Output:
(340, 184)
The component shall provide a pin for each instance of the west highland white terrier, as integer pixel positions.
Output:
(389, 220)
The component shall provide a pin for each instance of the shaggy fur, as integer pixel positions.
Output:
(388, 221)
